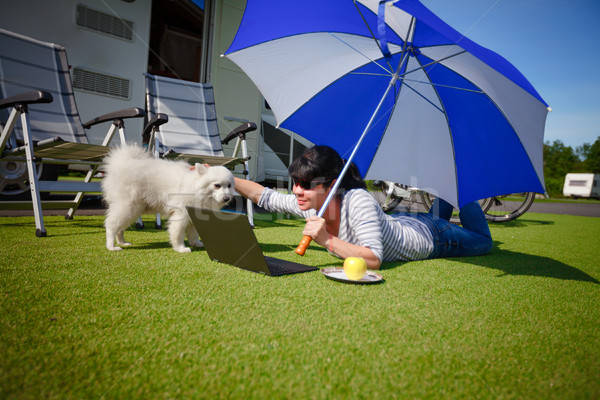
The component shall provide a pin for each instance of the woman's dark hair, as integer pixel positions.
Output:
(322, 163)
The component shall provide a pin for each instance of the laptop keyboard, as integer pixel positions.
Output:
(283, 267)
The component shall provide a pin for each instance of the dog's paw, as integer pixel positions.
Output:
(125, 244)
(183, 250)
(115, 248)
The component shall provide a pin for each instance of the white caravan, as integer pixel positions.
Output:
(582, 185)
(112, 43)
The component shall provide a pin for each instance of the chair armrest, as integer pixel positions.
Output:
(157, 121)
(30, 97)
(42, 143)
(117, 115)
(240, 132)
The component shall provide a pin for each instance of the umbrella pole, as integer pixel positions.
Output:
(301, 249)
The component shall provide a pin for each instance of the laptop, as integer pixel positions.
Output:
(228, 238)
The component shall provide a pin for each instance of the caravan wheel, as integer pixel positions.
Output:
(14, 179)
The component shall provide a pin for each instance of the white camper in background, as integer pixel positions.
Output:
(112, 43)
(582, 185)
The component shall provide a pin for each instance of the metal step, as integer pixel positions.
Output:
(46, 205)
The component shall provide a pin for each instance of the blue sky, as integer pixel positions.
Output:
(554, 43)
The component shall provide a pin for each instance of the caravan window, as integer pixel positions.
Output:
(577, 183)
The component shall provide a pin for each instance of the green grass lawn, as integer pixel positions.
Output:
(79, 322)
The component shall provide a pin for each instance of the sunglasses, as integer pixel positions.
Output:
(309, 185)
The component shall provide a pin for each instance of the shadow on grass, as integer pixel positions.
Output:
(514, 263)
(272, 248)
(275, 247)
(59, 226)
(150, 246)
(520, 222)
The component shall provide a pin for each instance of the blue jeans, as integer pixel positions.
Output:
(450, 240)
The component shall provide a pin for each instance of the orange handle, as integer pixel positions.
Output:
(301, 249)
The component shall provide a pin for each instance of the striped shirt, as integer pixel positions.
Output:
(399, 237)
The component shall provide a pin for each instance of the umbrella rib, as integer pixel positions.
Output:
(371, 32)
(443, 109)
(432, 63)
(389, 73)
(424, 98)
(405, 52)
(441, 85)
(405, 47)
(404, 55)
(367, 73)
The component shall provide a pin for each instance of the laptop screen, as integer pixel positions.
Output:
(228, 238)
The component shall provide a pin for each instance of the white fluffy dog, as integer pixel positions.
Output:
(136, 183)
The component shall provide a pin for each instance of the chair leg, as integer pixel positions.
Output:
(40, 230)
(107, 139)
(249, 204)
(139, 224)
(8, 128)
(153, 148)
(250, 207)
(79, 196)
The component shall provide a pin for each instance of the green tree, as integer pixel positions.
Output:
(559, 160)
(591, 161)
(583, 151)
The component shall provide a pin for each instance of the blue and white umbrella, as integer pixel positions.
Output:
(397, 90)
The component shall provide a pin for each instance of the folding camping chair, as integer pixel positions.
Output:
(35, 85)
(192, 133)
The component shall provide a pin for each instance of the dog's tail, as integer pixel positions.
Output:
(126, 152)
(123, 154)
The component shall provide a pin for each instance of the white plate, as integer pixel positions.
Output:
(337, 274)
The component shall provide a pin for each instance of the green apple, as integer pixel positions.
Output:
(355, 268)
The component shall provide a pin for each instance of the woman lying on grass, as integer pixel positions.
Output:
(355, 226)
